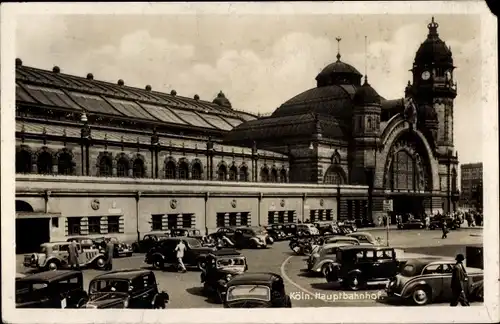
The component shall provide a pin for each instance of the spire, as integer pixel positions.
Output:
(433, 26)
(338, 48)
(366, 59)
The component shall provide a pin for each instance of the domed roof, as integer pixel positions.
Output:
(366, 95)
(433, 49)
(338, 73)
(221, 100)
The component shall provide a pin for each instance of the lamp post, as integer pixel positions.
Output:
(85, 134)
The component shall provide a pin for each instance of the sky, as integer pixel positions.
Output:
(258, 61)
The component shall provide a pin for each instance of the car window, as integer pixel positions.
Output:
(447, 268)
(370, 255)
(360, 255)
(385, 254)
(432, 269)
(63, 248)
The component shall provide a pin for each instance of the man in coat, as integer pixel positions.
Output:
(444, 227)
(458, 282)
(110, 246)
(73, 256)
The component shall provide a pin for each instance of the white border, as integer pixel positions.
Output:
(487, 313)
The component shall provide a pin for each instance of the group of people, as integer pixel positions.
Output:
(73, 254)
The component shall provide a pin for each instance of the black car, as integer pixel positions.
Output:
(131, 288)
(51, 289)
(357, 266)
(256, 290)
(412, 224)
(120, 249)
(276, 232)
(147, 242)
(250, 237)
(436, 222)
(220, 267)
(163, 254)
(189, 232)
(85, 242)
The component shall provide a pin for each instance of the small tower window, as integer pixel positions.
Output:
(369, 123)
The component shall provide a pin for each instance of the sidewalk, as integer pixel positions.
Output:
(395, 227)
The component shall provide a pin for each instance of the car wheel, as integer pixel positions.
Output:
(324, 269)
(354, 282)
(201, 264)
(80, 303)
(158, 264)
(421, 296)
(100, 263)
(52, 265)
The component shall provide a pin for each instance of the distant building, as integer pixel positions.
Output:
(471, 184)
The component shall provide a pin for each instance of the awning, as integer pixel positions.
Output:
(26, 215)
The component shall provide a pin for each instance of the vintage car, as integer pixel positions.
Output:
(424, 281)
(330, 240)
(220, 267)
(436, 222)
(326, 227)
(290, 229)
(250, 237)
(85, 242)
(147, 242)
(121, 249)
(307, 229)
(256, 290)
(348, 224)
(163, 254)
(54, 255)
(364, 238)
(189, 232)
(129, 288)
(320, 260)
(51, 289)
(414, 223)
(276, 232)
(358, 266)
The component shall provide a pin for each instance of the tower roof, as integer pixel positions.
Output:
(433, 49)
(221, 100)
(366, 95)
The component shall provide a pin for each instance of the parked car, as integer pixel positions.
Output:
(189, 232)
(424, 281)
(147, 242)
(323, 257)
(326, 227)
(333, 239)
(226, 231)
(221, 266)
(357, 266)
(437, 221)
(121, 249)
(349, 224)
(131, 288)
(276, 232)
(85, 242)
(54, 255)
(51, 289)
(307, 229)
(163, 254)
(364, 238)
(256, 290)
(250, 237)
(290, 229)
(414, 223)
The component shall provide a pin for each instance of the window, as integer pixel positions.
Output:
(333, 176)
(170, 170)
(369, 124)
(65, 164)
(244, 219)
(187, 220)
(222, 173)
(55, 222)
(138, 168)
(113, 224)
(172, 221)
(281, 216)
(156, 222)
(264, 175)
(328, 214)
(233, 173)
(196, 171)
(291, 216)
(243, 173)
(320, 214)
(220, 220)
(312, 216)
(94, 225)
(270, 217)
(402, 175)
(122, 167)
(105, 167)
(44, 163)
(432, 269)
(385, 254)
(74, 227)
(232, 219)
(183, 171)
(23, 162)
(283, 176)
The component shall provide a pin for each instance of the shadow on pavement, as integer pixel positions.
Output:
(198, 291)
(326, 286)
(309, 274)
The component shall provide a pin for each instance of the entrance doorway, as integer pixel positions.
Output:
(403, 205)
(30, 233)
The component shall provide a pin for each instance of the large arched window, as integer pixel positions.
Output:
(283, 176)
(233, 173)
(183, 170)
(222, 173)
(138, 168)
(122, 167)
(44, 163)
(65, 164)
(403, 171)
(334, 176)
(23, 162)
(170, 170)
(105, 167)
(264, 175)
(274, 175)
(243, 173)
(196, 171)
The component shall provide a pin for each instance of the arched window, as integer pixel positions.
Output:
(65, 164)
(196, 171)
(283, 176)
(333, 176)
(138, 168)
(369, 124)
(23, 162)
(243, 173)
(122, 167)
(44, 163)
(274, 175)
(170, 170)
(105, 167)
(264, 175)
(403, 171)
(183, 171)
(233, 173)
(222, 173)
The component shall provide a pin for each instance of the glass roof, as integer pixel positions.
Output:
(217, 122)
(94, 103)
(192, 118)
(130, 109)
(22, 95)
(51, 96)
(232, 121)
(163, 114)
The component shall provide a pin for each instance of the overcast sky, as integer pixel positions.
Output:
(258, 61)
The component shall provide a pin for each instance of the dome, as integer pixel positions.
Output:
(221, 100)
(338, 73)
(433, 49)
(366, 95)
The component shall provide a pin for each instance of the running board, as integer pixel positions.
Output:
(378, 282)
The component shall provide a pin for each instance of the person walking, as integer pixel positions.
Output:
(180, 248)
(73, 256)
(458, 282)
(109, 249)
(445, 229)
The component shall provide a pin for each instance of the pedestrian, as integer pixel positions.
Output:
(110, 246)
(73, 255)
(180, 248)
(458, 282)
(445, 229)
(427, 221)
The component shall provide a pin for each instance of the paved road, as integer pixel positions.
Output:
(305, 291)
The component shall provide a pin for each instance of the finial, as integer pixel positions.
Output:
(221, 94)
(366, 59)
(433, 26)
(338, 48)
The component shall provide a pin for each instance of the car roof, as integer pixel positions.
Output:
(49, 276)
(226, 252)
(341, 237)
(365, 247)
(359, 233)
(336, 244)
(254, 278)
(57, 242)
(125, 274)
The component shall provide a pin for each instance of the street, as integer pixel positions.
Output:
(305, 291)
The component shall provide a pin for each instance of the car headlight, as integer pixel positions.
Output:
(228, 277)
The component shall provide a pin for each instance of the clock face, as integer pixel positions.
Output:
(426, 75)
